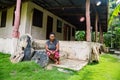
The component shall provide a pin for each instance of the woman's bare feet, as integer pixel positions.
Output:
(57, 62)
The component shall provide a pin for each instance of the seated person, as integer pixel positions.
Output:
(52, 48)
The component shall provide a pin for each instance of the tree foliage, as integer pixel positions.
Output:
(112, 37)
(117, 37)
(114, 14)
(107, 39)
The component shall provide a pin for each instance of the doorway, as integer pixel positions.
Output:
(67, 32)
(49, 26)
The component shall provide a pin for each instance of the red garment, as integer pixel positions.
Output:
(55, 55)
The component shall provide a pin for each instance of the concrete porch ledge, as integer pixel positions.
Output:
(80, 50)
(73, 54)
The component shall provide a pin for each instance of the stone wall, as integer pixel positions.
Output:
(80, 50)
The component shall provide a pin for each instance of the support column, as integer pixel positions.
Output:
(16, 33)
(96, 28)
(88, 21)
(101, 34)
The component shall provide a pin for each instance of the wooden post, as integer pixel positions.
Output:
(96, 27)
(101, 34)
(88, 21)
(16, 33)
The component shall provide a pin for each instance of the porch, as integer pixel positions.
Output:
(84, 15)
(89, 15)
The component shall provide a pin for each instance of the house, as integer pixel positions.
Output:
(40, 17)
(35, 21)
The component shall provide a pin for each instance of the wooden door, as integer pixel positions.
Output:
(67, 32)
(49, 26)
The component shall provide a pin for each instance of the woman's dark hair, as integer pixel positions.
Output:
(52, 33)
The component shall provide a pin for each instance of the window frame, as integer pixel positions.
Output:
(59, 26)
(37, 18)
(73, 32)
(3, 18)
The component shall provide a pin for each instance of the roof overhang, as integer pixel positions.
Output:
(71, 10)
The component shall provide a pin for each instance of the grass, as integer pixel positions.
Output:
(107, 69)
(27, 71)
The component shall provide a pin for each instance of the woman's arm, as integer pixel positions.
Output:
(46, 47)
(57, 47)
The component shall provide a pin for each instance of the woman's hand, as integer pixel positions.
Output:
(51, 52)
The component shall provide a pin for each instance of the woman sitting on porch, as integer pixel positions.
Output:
(52, 48)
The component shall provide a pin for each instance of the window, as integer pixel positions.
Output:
(37, 18)
(59, 26)
(73, 31)
(3, 18)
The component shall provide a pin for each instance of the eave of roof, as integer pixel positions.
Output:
(70, 10)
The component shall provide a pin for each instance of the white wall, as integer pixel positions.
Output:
(6, 32)
(6, 45)
(6, 42)
(40, 33)
(26, 22)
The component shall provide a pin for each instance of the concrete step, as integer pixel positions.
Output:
(75, 65)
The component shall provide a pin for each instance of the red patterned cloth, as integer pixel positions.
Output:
(55, 55)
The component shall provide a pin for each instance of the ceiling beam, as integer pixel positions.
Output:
(63, 7)
(57, 2)
(46, 3)
(3, 5)
(71, 14)
(7, 2)
(71, 2)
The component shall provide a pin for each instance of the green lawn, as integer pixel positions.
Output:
(107, 69)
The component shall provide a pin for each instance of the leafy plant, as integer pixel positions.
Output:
(114, 14)
(107, 39)
(117, 37)
(80, 35)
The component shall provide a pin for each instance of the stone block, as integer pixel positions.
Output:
(41, 58)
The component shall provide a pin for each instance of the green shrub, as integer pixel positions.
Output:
(80, 35)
